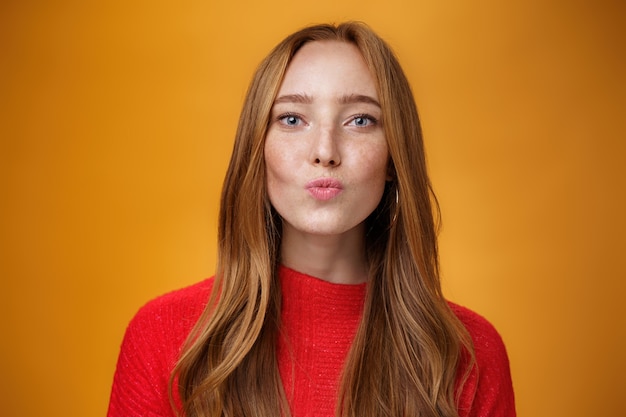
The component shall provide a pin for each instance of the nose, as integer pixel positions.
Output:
(324, 149)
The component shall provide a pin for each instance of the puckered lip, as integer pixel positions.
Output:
(324, 182)
(324, 189)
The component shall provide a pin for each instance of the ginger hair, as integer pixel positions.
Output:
(405, 358)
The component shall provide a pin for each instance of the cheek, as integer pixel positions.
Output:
(376, 164)
(275, 169)
(276, 160)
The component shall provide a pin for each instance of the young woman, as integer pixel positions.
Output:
(326, 299)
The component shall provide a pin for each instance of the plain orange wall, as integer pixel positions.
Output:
(116, 125)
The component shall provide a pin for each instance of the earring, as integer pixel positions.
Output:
(395, 214)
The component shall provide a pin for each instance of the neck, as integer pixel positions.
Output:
(335, 258)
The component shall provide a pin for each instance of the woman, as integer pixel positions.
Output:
(326, 300)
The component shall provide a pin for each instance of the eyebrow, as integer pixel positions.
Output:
(294, 98)
(358, 98)
(345, 99)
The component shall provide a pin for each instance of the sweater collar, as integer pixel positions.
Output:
(307, 295)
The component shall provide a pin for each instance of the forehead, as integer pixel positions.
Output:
(328, 67)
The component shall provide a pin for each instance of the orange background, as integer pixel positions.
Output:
(116, 126)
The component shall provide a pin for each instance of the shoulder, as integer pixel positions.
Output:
(180, 308)
(489, 389)
(151, 348)
(164, 322)
(484, 335)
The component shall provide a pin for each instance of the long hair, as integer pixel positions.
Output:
(405, 358)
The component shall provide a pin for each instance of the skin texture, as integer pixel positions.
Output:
(325, 125)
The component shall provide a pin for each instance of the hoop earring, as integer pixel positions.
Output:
(395, 214)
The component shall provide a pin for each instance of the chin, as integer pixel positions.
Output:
(331, 229)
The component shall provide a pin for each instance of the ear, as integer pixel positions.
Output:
(391, 171)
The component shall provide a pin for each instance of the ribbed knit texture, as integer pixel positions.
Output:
(319, 322)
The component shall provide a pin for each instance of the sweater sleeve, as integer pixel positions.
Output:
(150, 350)
(488, 392)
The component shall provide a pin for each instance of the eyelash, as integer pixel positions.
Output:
(367, 117)
(371, 119)
(281, 118)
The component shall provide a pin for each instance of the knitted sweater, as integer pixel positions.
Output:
(320, 320)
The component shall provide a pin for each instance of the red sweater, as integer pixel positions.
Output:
(320, 320)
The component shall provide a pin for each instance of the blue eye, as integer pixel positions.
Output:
(290, 119)
(360, 121)
(363, 120)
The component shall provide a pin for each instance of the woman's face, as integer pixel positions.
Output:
(325, 151)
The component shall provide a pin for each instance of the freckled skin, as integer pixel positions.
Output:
(326, 123)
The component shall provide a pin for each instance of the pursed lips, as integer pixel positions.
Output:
(324, 188)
